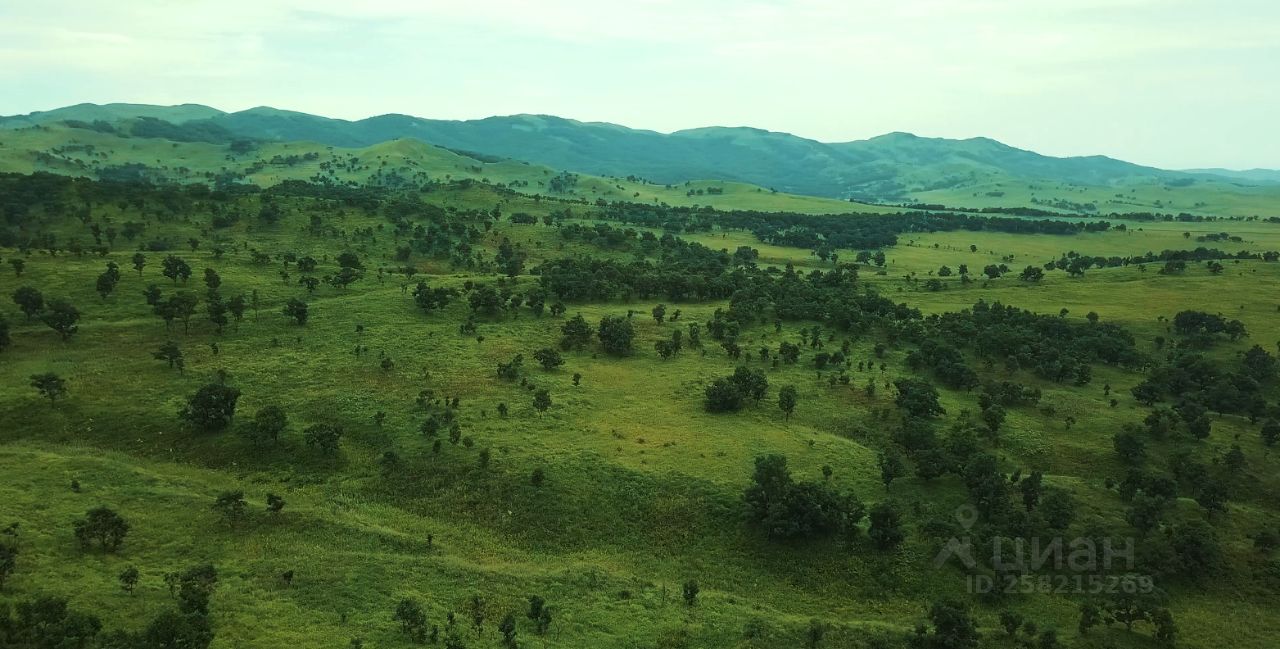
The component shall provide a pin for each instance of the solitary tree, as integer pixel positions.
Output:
(296, 309)
(268, 423)
(101, 526)
(171, 353)
(508, 630)
(176, 268)
(722, 395)
(211, 407)
(237, 306)
(231, 506)
(886, 526)
(660, 313)
(8, 562)
(129, 579)
(61, 317)
(615, 335)
(1271, 432)
(690, 591)
(275, 504)
(549, 358)
(787, 400)
(575, 332)
(30, 300)
(105, 285)
(412, 619)
(542, 400)
(953, 628)
(324, 437)
(891, 466)
(50, 385)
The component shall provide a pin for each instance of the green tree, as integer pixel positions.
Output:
(510, 260)
(50, 386)
(1129, 447)
(231, 506)
(1271, 432)
(1196, 547)
(105, 285)
(170, 353)
(892, 466)
(211, 407)
(541, 400)
(508, 630)
(268, 424)
(275, 504)
(723, 395)
(212, 280)
(917, 398)
(101, 526)
(886, 526)
(61, 317)
(660, 313)
(176, 268)
(412, 620)
(8, 564)
(29, 300)
(548, 358)
(177, 629)
(953, 628)
(237, 305)
(575, 333)
(296, 309)
(690, 591)
(194, 587)
(324, 437)
(615, 335)
(787, 398)
(47, 622)
(129, 579)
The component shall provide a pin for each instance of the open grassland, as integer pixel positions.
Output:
(643, 488)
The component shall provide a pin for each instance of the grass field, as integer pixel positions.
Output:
(643, 487)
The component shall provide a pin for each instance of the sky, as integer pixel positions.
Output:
(1169, 83)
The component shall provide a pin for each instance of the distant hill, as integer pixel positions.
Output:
(1248, 175)
(893, 168)
(147, 148)
(112, 113)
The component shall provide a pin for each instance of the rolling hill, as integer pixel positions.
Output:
(115, 154)
(892, 168)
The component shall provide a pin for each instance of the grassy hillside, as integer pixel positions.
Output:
(85, 152)
(893, 168)
(641, 488)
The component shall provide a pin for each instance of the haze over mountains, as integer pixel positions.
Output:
(889, 168)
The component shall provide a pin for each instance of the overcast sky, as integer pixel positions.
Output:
(1171, 83)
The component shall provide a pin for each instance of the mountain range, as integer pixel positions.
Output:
(896, 167)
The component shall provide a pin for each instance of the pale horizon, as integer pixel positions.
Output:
(1175, 84)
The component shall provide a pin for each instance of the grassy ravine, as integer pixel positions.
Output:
(643, 488)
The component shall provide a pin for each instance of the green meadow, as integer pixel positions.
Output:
(641, 489)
